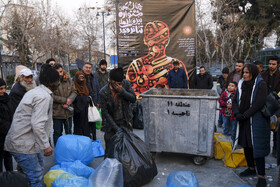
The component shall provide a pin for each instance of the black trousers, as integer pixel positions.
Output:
(92, 127)
(107, 136)
(6, 156)
(274, 141)
(260, 162)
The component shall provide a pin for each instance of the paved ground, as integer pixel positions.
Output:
(212, 174)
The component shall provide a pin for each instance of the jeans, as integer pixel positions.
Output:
(32, 165)
(220, 120)
(229, 125)
(58, 127)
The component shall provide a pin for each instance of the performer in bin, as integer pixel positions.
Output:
(151, 70)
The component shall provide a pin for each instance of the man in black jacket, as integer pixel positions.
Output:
(203, 79)
(115, 99)
(93, 88)
(236, 74)
(24, 84)
(272, 78)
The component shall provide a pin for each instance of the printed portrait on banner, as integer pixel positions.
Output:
(151, 36)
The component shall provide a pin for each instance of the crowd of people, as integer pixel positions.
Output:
(242, 97)
(33, 105)
(28, 112)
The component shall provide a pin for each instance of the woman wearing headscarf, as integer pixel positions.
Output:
(253, 130)
(80, 118)
(5, 123)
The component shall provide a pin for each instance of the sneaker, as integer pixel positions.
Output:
(247, 172)
(261, 182)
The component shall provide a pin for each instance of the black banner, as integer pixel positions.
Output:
(151, 36)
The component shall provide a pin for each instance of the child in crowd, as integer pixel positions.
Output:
(229, 122)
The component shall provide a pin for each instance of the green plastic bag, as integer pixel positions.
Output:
(99, 123)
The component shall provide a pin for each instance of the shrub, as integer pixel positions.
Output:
(10, 80)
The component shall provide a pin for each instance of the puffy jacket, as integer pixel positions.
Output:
(107, 105)
(66, 90)
(260, 127)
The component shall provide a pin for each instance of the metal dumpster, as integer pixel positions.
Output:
(180, 121)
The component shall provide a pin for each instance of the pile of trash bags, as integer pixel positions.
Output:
(128, 162)
(72, 155)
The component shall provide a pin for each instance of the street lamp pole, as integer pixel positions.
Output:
(104, 35)
(1, 64)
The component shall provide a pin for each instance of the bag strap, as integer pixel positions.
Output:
(91, 101)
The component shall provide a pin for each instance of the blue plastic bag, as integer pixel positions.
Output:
(182, 179)
(69, 180)
(75, 168)
(98, 150)
(243, 185)
(109, 173)
(70, 148)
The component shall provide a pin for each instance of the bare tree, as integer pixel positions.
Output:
(86, 24)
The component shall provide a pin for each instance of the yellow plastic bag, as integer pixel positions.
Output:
(219, 152)
(51, 175)
(223, 150)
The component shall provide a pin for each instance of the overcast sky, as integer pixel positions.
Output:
(68, 6)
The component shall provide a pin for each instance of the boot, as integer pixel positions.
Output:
(261, 182)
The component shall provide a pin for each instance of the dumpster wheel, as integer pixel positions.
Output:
(199, 160)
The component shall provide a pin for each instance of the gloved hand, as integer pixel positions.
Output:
(240, 117)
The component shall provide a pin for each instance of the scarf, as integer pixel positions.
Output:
(81, 86)
(247, 88)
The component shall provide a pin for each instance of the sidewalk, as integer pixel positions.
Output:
(212, 174)
(271, 173)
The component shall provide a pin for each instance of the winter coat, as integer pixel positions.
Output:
(66, 90)
(204, 81)
(80, 119)
(260, 128)
(225, 99)
(16, 95)
(220, 84)
(177, 79)
(107, 104)
(30, 129)
(276, 86)
(93, 88)
(103, 78)
(5, 115)
(229, 79)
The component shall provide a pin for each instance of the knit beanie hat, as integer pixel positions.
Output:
(2, 82)
(116, 74)
(48, 75)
